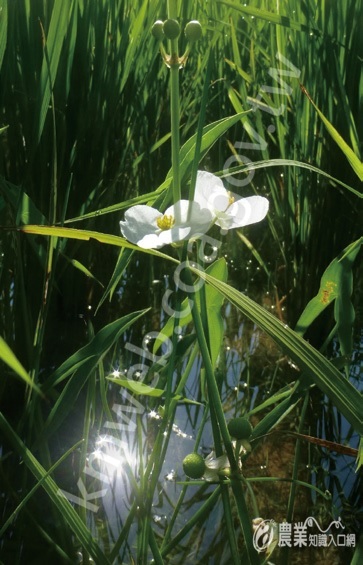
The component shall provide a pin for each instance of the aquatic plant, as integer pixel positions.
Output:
(94, 380)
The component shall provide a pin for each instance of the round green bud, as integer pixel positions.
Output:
(193, 30)
(194, 466)
(171, 29)
(226, 472)
(239, 428)
(157, 30)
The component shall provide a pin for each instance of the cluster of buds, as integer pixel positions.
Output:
(213, 468)
(170, 29)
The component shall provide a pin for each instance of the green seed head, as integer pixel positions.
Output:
(194, 465)
(157, 30)
(171, 29)
(193, 30)
(239, 428)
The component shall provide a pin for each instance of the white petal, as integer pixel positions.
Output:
(139, 222)
(207, 187)
(209, 457)
(179, 211)
(175, 234)
(207, 181)
(247, 211)
(150, 241)
(211, 476)
(198, 220)
(218, 463)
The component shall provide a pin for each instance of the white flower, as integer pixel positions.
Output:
(150, 229)
(228, 212)
(213, 467)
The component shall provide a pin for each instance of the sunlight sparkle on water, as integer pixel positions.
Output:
(112, 457)
(171, 476)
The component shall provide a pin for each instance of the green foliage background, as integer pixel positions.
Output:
(86, 133)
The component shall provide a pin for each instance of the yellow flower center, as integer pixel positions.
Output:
(165, 222)
(230, 200)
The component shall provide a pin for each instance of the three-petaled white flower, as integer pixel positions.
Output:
(150, 229)
(219, 467)
(229, 210)
(215, 467)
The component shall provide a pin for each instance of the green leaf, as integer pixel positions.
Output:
(340, 391)
(80, 267)
(3, 30)
(290, 163)
(80, 365)
(360, 454)
(146, 390)
(353, 159)
(122, 262)
(87, 235)
(336, 284)
(276, 414)
(21, 203)
(214, 302)
(211, 133)
(12, 361)
(137, 387)
(270, 17)
(60, 502)
(55, 37)
(20, 506)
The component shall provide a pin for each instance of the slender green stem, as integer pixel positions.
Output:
(217, 408)
(235, 558)
(201, 120)
(198, 516)
(290, 506)
(158, 560)
(179, 503)
(174, 109)
(175, 118)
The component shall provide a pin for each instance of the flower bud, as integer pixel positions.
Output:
(194, 465)
(171, 29)
(225, 472)
(193, 30)
(239, 428)
(157, 30)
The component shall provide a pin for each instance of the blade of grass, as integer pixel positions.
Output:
(57, 31)
(340, 391)
(353, 159)
(86, 235)
(290, 163)
(3, 29)
(275, 18)
(31, 493)
(11, 360)
(63, 506)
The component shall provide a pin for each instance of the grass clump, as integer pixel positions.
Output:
(110, 369)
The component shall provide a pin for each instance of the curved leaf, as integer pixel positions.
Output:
(325, 375)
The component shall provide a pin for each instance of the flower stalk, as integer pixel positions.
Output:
(174, 106)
